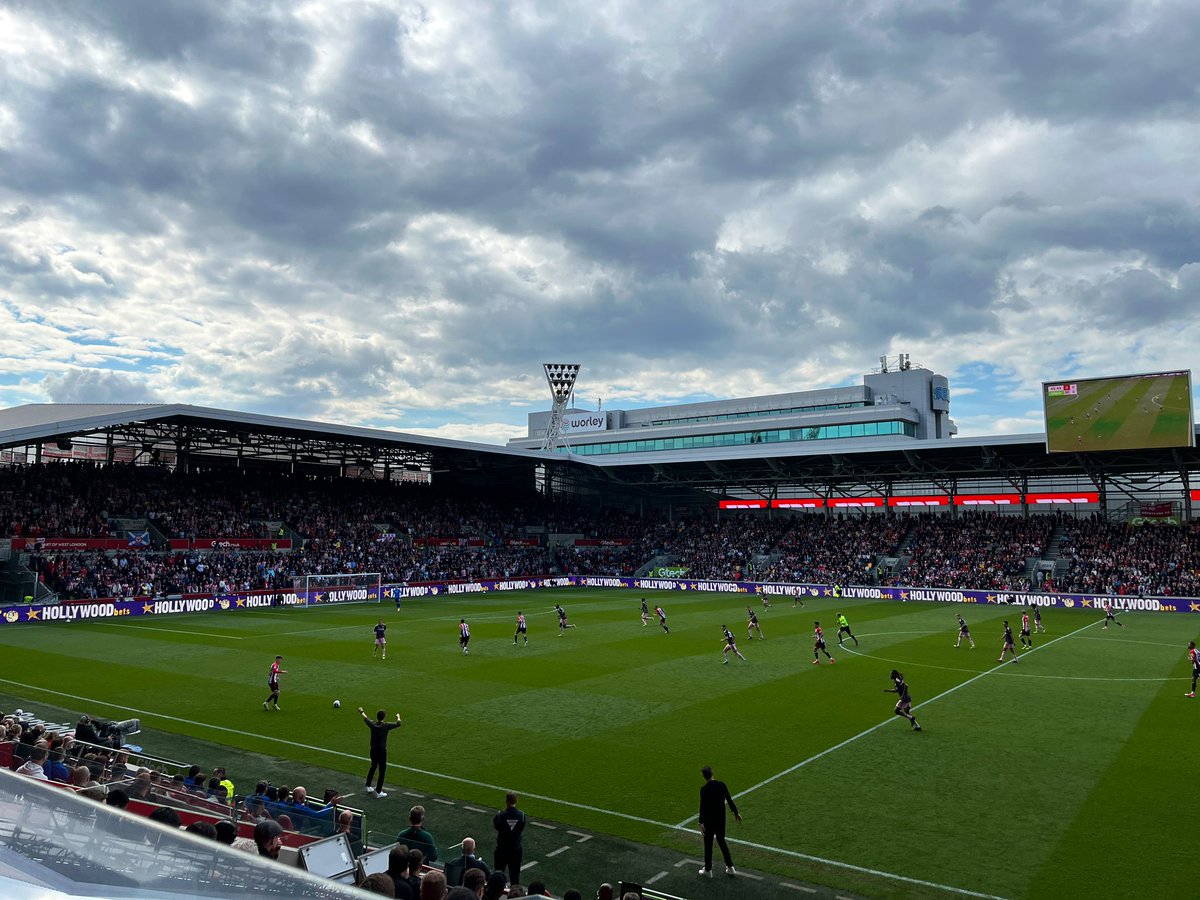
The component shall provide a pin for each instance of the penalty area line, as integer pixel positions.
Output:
(277, 741)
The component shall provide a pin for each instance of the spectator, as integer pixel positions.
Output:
(467, 861)
(118, 798)
(56, 767)
(268, 838)
(433, 886)
(496, 883)
(35, 767)
(226, 832)
(475, 880)
(203, 829)
(379, 883)
(398, 870)
(461, 893)
(415, 835)
(416, 859)
(572, 894)
(164, 815)
(605, 892)
(537, 888)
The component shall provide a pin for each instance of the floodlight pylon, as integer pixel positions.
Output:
(561, 378)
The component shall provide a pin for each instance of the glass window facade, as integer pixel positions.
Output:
(725, 417)
(739, 438)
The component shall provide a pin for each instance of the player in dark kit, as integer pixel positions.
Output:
(1026, 640)
(1110, 616)
(645, 613)
(730, 646)
(562, 619)
(903, 701)
(273, 682)
(464, 635)
(752, 625)
(1037, 620)
(1194, 658)
(964, 632)
(662, 618)
(380, 640)
(521, 629)
(844, 628)
(1009, 644)
(819, 644)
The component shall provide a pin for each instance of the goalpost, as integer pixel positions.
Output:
(345, 587)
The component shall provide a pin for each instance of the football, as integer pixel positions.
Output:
(337, 704)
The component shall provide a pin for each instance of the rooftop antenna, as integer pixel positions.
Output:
(561, 378)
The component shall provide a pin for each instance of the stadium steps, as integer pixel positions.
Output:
(1053, 549)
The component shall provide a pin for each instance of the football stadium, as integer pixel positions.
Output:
(923, 665)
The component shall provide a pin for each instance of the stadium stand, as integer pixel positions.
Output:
(411, 534)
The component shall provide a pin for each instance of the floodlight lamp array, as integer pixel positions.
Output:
(561, 377)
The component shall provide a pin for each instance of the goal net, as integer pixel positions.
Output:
(347, 587)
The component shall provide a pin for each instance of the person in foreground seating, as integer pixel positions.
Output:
(398, 871)
(433, 886)
(268, 838)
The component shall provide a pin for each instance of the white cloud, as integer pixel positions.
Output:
(394, 214)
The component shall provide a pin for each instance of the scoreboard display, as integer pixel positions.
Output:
(1124, 412)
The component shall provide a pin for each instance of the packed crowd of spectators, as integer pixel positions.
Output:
(1118, 558)
(835, 550)
(978, 551)
(411, 534)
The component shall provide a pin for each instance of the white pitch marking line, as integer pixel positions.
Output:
(413, 794)
(750, 875)
(659, 877)
(529, 865)
(688, 861)
(500, 789)
(444, 802)
(798, 887)
(554, 853)
(475, 809)
(874, 728)
(223, 637)
(579, 834)
(310, 631)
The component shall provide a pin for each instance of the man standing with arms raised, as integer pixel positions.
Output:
(379, 736)
(714, 796)
(509, 824)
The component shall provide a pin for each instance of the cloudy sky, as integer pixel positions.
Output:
(392, 213)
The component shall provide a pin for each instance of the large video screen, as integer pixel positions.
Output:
(1126, 412)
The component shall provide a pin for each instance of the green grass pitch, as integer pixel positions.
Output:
(1121, 414)
(1071, 773)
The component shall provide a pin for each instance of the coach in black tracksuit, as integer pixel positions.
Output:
(379, 733)
(713, 798)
